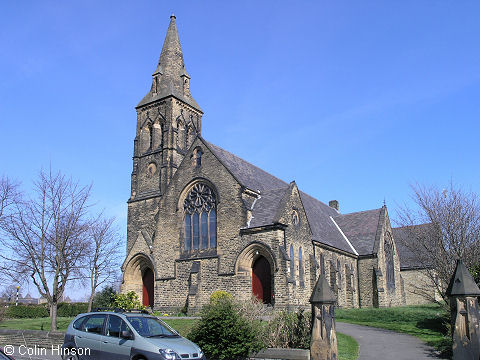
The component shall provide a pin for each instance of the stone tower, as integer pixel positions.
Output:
(168, 119)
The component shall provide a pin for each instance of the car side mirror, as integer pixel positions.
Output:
(126, 334)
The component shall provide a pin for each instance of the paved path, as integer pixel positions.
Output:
(386, 345)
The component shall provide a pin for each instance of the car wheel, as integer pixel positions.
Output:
(70, 357)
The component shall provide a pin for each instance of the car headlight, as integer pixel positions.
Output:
(200, 353)
(169, 354)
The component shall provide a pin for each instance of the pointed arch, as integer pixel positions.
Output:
(292, 262)
(181, 136)
(200, 218)
(139, 275)
(300, 265)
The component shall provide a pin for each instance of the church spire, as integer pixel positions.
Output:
(170, 78)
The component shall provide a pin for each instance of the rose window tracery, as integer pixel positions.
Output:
(200, 222)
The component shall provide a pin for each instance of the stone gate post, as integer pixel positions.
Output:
(323, 345)
(465, 320)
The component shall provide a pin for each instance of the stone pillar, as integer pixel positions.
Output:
(463, 294)
(323, 345)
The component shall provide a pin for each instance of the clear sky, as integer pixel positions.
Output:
(354, 100)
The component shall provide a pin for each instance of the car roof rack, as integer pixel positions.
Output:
(142, 311)
(120, 310)
(117, 310)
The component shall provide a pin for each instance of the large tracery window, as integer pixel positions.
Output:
(200, 218)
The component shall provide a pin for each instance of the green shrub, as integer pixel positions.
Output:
(104, 298)
(128, 301)
(220, 295)
(70, 310)
(289, 330)
(223, 333)
(27, 311)
(3, 310)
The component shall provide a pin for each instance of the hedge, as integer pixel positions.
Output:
(27, 311)
(71, 309)
(41, 311)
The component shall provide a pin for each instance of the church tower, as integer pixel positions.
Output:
(168, 119)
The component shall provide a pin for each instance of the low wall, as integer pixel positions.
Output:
(30, 338)
(281, 354)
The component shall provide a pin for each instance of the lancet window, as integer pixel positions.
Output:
(390, 265)
(300, 264)
(292, 262)
(200, 223)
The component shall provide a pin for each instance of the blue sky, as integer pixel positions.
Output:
(354, 100)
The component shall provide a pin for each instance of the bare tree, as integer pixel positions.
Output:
(45, 237)
(9, 293)
(444, 227)
(103, 255)
(9, 195)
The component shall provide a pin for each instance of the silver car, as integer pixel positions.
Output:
(122, 335)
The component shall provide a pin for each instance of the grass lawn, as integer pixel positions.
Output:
(35, 324)
(183, 326)
(427, 322)
(347, 347)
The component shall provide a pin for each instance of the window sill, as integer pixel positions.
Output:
(198, 254)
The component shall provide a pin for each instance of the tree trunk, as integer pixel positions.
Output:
(53, 316)
(90, 301)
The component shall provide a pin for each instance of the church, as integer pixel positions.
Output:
(201, 219)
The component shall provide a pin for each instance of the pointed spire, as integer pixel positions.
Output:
(462, 283)
(322, 293)
(170, 77)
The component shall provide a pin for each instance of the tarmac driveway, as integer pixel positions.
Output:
(387, 345)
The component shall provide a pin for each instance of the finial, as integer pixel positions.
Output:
(173, 16)
(384, 202)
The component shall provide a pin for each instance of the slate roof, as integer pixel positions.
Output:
(272, 190)
(361, 229)
(250, 176)
(323, 228)
(265, 209)
(404, 237)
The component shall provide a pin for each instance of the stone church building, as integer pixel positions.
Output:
(201, 219)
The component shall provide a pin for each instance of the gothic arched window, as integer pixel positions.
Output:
(181, 135)
(200, 222)
(292, 262)
(389, 261)
(197, 157)
(150, 133)
(300, 264)
(339, 271)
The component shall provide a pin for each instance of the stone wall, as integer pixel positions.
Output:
(340, 269)
(419, 288)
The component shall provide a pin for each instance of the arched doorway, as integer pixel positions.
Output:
(139, 276)
(262, 280)
(147, 285)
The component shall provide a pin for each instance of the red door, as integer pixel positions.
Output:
(148, 288)
(262, 280)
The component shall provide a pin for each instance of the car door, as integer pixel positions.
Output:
(89, 339)
(114, 347)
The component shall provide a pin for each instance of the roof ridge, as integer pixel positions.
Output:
(249, 163)
(410, 226)
(359, 212)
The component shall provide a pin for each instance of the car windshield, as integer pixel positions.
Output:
(151, 327)
(2, 356)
